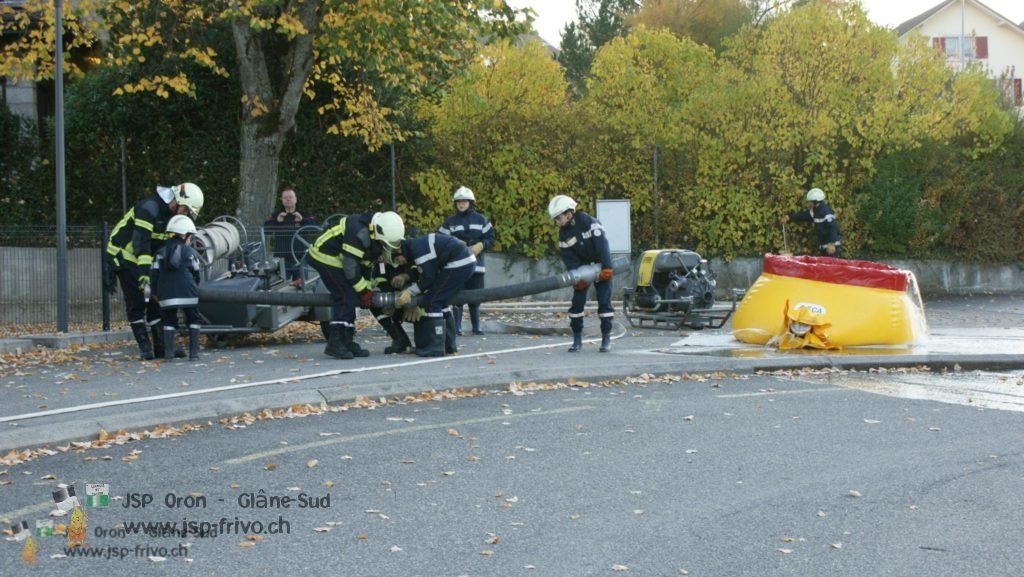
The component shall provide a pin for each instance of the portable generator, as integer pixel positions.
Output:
(675, 288)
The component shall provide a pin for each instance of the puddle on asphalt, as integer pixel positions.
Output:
(946, 341)
(979, 389)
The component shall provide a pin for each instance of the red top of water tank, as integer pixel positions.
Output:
(838, 271)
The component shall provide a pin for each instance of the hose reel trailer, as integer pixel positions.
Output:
(251, 269)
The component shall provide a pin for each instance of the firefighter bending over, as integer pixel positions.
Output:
(344, 256)
(582, 241)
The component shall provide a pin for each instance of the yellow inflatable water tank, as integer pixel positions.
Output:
(867, 303)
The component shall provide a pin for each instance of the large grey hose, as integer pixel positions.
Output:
(215, 240)
(587, 273)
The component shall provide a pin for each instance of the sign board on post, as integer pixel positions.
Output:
(614, 216)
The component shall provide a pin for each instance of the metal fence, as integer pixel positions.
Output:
(28, 279)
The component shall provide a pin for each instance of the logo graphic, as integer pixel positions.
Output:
(21, 531)
(76, 528)
(65, 498)
(68, 503)
(44, 528)
(97, 495)
(28, 552)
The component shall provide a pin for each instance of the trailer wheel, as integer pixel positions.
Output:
(217, 340)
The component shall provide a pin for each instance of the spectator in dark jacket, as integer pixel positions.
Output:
(280, 227)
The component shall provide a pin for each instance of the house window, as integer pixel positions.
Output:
(974, 46)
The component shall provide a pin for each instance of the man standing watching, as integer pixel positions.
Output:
(281, 225)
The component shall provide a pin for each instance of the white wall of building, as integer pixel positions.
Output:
(1005, 39)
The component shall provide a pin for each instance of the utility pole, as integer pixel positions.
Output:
(62, 225)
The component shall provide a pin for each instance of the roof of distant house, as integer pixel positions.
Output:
(916, 21)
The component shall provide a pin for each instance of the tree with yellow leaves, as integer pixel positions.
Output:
(362, 60)
(504, 130)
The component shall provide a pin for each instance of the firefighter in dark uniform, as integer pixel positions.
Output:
(582, 241)
(826, 227)
(445, 264)
(344, 255)
(476, 231)
(392, 278)
(175, 275)
(133, 242)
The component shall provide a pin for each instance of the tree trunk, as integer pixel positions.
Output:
(271, 97)
(260, 160)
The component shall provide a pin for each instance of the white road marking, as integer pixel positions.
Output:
(774, 393)
(291, 379)
(401, 431)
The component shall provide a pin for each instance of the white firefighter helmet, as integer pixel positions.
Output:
(463, 193)
(181, 224)
(815, 195)
(560, 204)
(388, 228)
(189, 195)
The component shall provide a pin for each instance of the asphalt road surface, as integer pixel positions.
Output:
(796, 473)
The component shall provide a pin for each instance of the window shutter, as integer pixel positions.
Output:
(939, 43)
(981, 47)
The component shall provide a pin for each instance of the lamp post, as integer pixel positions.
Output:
(62, 226)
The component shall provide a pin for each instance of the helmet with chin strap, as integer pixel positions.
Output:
(559, 204)
(181, 224)
(463, 193)
(388, 228)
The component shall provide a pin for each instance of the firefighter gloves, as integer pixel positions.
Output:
(477, 248)
(143, 282)
(581, 286)
(400, 280)
(412, 314)
(403, 298)
(606, 275)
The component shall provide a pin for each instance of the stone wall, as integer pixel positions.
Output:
(28, 278)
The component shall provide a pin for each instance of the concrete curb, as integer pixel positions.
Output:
(61, 340)
(16, 346)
